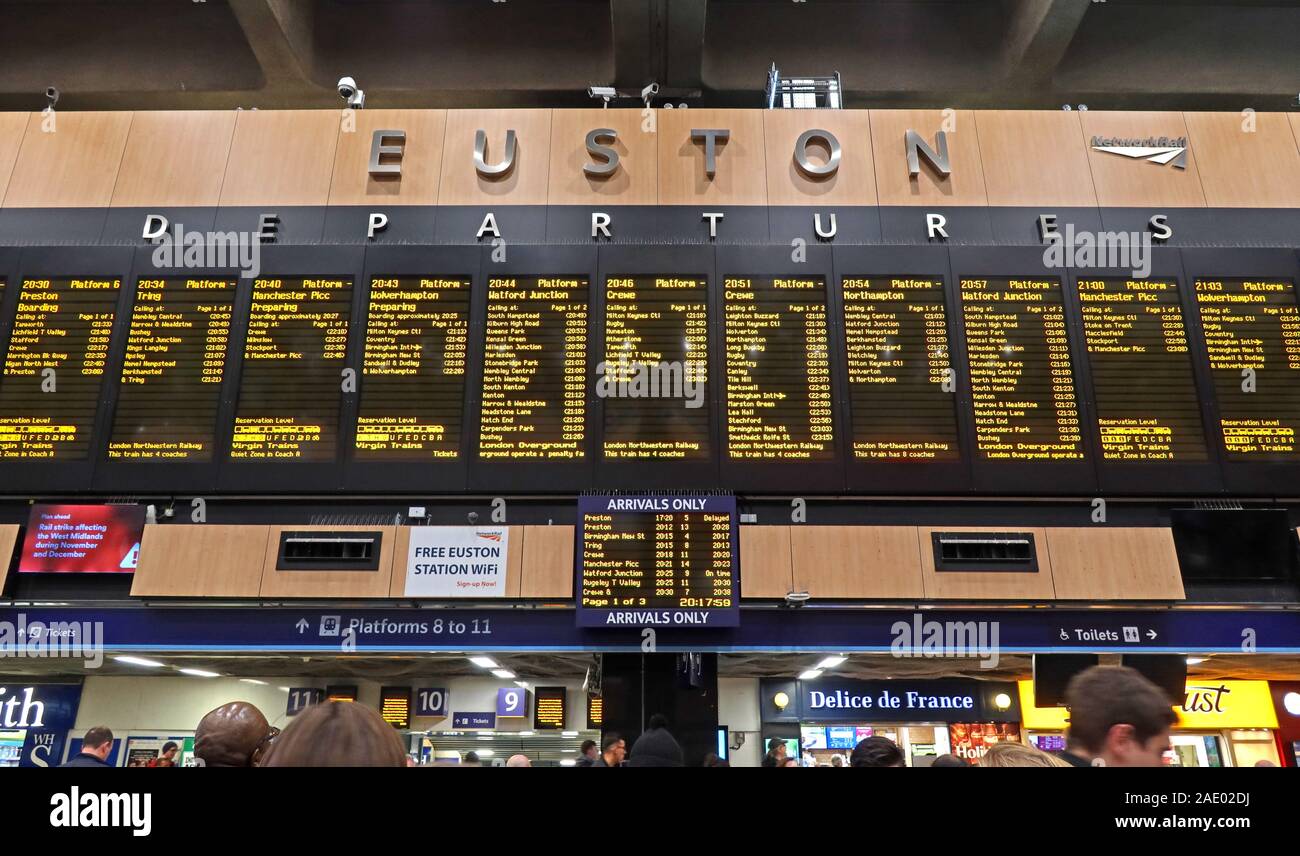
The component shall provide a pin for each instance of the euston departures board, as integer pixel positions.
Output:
(976, 364)
(292, 383)
(1252, 338)
(657, 561)
(778, 378)
(413, 369)
(170, 387)
(55, 366)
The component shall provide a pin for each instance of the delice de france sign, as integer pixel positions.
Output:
(457, 561)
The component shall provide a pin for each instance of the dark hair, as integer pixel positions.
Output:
(471, 757)
(876, 752)
(949, 760)
(658, 720)
(169, 746)
(587, 744)
(337, 734)
(610, 740)
(1102, 697)
(96, 737)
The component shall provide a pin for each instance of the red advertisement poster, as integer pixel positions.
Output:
(82, 539)
(971, 740)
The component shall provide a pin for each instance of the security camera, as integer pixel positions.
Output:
(472, 517)
(52, 95)
(797, 598)
(351, 94)
(650, 90)
(604, 93)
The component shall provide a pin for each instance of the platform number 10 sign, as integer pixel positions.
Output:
(512, 702)
(431, 701)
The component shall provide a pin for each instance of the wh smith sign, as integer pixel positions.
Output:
(45, 712)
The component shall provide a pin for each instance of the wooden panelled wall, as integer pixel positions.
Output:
(828, 562)
(999, 158)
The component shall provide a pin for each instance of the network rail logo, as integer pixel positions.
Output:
(1157, 150)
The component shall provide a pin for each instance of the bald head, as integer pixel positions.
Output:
(519, 761)
(233, 735)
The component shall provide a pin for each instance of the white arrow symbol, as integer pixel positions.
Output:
(301, 625)
(1151, 634)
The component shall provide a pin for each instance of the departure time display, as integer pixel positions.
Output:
(778, 369)
(1252, 338)
(1146, 402)
(54, 368)
(657, 561)
(654, 377)
(170, 387)
(534, 404)
(1021, 375)
(292, 382)
(900, 369)
(413, 369)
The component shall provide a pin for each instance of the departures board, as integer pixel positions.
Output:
(730, 371)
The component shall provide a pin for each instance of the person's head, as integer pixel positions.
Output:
(877, 752)
(778, 750)
(656, 722)
(837, 761)
(337, 734)
(791, 762)
(471, 759)
(170, 749)
(1118, 718)
(589, 749)
(613, 749)
(1264, 762)
(949, 760)
(519, 761)
(1019, 755)
(710, 759)
(98, 742)
(233, 735)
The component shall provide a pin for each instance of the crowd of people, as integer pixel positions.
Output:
(1117, 719)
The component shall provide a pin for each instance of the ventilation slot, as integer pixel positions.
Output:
(329, 551)
(985, 551)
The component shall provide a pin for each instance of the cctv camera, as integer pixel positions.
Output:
(606, 92)
(52, 95)
(350, 93)
(649, 91)
(472, 517)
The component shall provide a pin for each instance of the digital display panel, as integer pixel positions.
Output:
(900, 369)
(778, 381)
(413, 369)
(395, 706)
(1146, 403)
(595, 711)
(534, 388)
(1252, 338)
(82, 539)
(647, 561)
(292, 382)
(170, 388)
(1026, 407)
(654, 376)
(550, 708)
(54, 368)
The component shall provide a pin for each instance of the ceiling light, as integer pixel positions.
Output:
(568, 734)
(810, 674)
(523, 684)
(503, 674)
(568, 762)
(831, 662)
(527, 733)
(198, 673)
(1195, 661)
(139, 661)
(484, 662)
(252, 681)
(485, 753)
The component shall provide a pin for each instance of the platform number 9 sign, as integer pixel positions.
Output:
(512, 702)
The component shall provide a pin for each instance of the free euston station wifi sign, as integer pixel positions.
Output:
(657, 561)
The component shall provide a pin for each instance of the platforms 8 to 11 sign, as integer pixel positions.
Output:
(657, 561)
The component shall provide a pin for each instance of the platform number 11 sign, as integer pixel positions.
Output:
(301, 698)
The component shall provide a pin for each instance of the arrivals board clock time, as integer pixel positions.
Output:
(1026, 407)
(534, 391)
(413, 369)
(654, 376)
(899, 369)
(54, 367)
(1146, 402)
(778, 379)
(1252, 338)
(292, 383)
(657, 561)
(170, 388)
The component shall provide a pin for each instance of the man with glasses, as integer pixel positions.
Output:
(233, 735)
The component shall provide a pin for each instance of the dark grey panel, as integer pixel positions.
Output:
(852, 224)
(1017, 225)
(459, 224)
(126, 225)
(299, 224)
(906, 225)
(20, 227)
(739, 224)
(628, 224)
(407, 224)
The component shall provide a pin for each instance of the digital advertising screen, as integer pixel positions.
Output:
(657, 561)
(82, 539)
